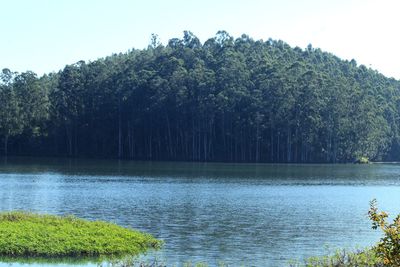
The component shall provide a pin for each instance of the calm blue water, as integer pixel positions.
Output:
(257, 214)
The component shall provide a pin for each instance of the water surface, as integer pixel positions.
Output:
(257, 214)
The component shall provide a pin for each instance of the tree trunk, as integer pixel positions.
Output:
(75, 139)
(296, 146)
(119, 129)
(278, 147)
(69, 140)
(272, 146)
(289, 146)
(258, 142)
(6, 145)
(169, 138)
(193, 140)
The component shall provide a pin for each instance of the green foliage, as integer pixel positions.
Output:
(342, 258)
(389, 246)
(362, 160)
(24, 105)
(224, 100)
(27, 234)
(10, 116)
(385, 253)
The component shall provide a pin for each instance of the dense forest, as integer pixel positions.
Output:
(226, 99)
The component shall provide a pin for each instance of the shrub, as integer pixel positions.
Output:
(362, 160)
(388, 248)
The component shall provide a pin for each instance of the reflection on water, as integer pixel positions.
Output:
(256, 214)
(40, 261)
(138, 260)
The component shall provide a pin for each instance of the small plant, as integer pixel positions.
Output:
(362, 160)
(388, 248)
(343, 258)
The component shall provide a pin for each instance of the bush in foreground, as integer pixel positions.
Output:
(385, 253)
(343, 258)
(27, 234)
(388, 248)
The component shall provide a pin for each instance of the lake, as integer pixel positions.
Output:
(256, 214)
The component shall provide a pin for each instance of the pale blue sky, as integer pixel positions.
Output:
(45, 35)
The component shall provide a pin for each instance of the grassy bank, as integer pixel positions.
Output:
(343, 258)
(26, 234)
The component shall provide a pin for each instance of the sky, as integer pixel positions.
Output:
(45, 35)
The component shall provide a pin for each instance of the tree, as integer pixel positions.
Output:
(240, 100)
(11, 119)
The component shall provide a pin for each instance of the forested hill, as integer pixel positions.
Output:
(227, 99)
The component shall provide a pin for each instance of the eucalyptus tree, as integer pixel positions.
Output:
(225, 99)
(67, 104)
(11, 120)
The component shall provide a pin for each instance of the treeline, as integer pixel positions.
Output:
(227, 99)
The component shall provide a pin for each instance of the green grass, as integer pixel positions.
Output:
(342, 258)
(25, 234)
